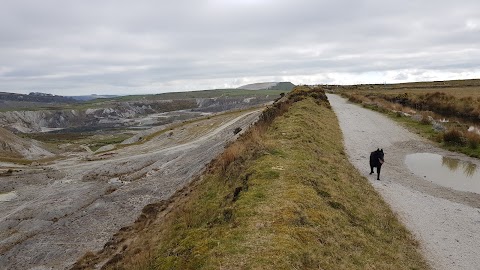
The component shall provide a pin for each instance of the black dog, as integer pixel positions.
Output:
(376, 161)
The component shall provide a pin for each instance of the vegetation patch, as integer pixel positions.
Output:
(283, 196)
(422, 109)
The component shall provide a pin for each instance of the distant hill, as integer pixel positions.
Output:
(91, 97)
(287, 86)
(35, 97)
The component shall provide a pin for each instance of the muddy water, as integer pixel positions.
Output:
(445, 171)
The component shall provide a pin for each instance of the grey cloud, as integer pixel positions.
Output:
(109, 46)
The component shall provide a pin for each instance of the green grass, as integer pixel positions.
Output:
(93, 140)
(96, 144)
(286, 199)
(22, 161)
(203, 94)
(424, 130)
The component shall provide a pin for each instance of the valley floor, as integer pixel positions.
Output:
(444, 220)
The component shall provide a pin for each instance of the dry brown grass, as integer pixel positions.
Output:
(454, 136)
(449, 98)
(473, 139)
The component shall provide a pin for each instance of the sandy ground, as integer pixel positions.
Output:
(72, 206)
(446, 222)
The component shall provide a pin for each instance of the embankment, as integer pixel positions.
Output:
(284, 196)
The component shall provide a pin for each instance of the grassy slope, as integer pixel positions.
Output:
(290, 201)
(202, 94)
(458, 88)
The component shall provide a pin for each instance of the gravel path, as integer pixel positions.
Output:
(74, 206)
(446, 222)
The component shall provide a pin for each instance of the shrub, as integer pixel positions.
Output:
(233, 152)
(473, 139)
(438, 137)
(454, 136)
(425, 120)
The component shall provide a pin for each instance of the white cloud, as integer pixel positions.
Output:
(472, 24)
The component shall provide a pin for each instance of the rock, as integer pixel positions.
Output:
(417, 117)
(438, 127)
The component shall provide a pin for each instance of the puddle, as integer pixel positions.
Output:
(445, 171)
(6, 197)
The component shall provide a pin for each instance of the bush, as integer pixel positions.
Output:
(425, 119)
(455, 137)
(473, 139)
(438, 137)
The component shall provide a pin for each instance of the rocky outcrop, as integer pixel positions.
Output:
(38, 121)
(16, 147)
(114, 115)
(121, 114)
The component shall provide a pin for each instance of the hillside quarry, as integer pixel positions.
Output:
(121, 114)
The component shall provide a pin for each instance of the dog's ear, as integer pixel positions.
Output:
(378, 149)
(381, 150)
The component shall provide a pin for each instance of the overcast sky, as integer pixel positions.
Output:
(128, 47)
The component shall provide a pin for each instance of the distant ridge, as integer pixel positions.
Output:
(91, 97)
(35, 97)
(287, 86)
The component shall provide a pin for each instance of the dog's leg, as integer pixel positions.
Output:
(378, 172)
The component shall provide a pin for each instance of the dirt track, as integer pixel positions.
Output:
(445, 221)
(74, 205)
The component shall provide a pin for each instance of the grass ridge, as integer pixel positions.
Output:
(284, 196)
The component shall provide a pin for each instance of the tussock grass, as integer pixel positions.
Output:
(473, 139)
(454, 136)
(282, 197)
